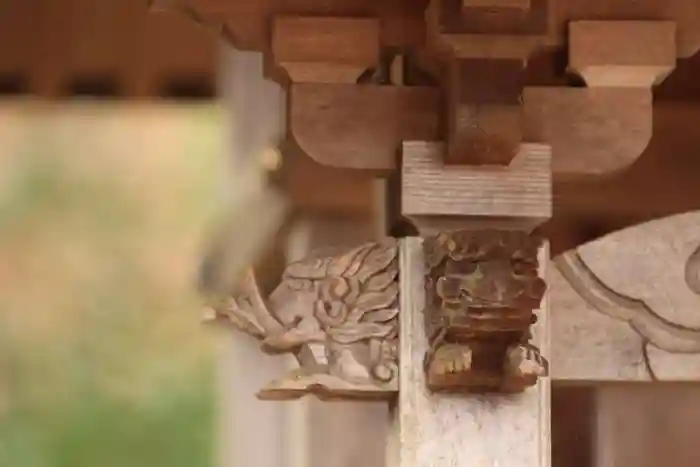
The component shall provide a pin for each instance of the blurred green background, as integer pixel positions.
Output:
(103, 361)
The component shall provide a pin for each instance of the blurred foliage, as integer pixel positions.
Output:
(102, 359)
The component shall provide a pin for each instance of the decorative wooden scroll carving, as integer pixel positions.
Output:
(624, 307)
(482, 288)
(346, 305)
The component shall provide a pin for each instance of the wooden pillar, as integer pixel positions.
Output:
(435, 430)
(253, 432)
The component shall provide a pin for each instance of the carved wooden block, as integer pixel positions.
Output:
(685, 13)
(481, 290)
(622, 53)
(325, 49)
(519, 194)
(346, 305)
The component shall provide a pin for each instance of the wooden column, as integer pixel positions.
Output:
(434, 430)
(494, 429)
(252, 431)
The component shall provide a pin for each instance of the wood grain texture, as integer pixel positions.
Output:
(624, 306)
(520, 191)
(361, 127)
(325, 49)
(441, 431)
(592, 131)
(622, 53)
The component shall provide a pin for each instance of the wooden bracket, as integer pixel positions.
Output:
(622, 53)
(325, 49)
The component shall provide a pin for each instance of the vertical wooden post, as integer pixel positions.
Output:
(434, 430)
(440, 430)
(252, 431)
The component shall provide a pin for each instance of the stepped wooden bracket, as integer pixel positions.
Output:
(606, 126)
(466, 82)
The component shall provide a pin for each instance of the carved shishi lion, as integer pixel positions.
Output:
(481, 290)
(337, 314)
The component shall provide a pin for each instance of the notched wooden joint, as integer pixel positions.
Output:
(482, 288)
(338, 315)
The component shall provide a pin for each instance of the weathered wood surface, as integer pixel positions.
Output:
(624, 307)
(434, 430)
(345, 304)
(520, 191)
(482, 288)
